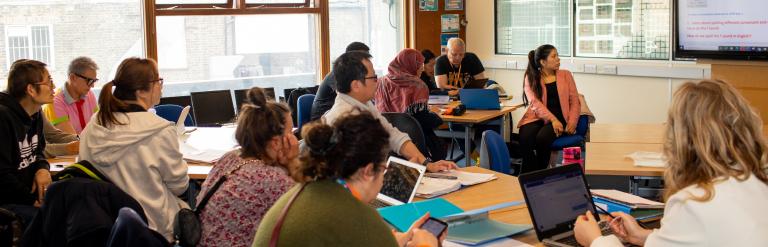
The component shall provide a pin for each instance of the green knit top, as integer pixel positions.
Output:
(325, 214)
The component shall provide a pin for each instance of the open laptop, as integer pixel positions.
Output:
(476, 83)
(213, 108)
(400, 183)
(481, 99)
(555, 198)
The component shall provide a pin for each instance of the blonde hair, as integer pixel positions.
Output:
(712, 134)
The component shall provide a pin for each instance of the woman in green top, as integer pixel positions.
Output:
(343, 170)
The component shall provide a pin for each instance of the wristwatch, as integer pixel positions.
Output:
(426, 161)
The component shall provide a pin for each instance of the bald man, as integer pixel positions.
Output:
(457, 67)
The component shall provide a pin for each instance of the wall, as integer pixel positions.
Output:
(642, 97)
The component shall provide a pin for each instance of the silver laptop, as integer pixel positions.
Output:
(555, 197)
(400, 182)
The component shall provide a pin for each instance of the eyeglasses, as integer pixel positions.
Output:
(50, 83)
(374, 77)
(160, 80)
(90, 81)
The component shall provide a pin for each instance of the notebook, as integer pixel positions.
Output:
(481, 99)
(555, 198)
(400, 182)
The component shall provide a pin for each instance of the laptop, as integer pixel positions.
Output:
(480, 99)
(213, 108)
(240, 96)
(476, 83)
(555, 198)
(400, 183)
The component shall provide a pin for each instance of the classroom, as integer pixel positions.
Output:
(383, 123)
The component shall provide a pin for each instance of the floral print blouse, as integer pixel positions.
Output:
(235, 210)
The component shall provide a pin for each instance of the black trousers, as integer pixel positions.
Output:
(535, 140)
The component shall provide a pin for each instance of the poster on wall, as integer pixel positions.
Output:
(454, 4)
(428, 5)
(449, 23)
(444, 37)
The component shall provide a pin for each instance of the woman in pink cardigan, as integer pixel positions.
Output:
(553, 106)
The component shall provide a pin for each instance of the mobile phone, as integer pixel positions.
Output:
(434, 226)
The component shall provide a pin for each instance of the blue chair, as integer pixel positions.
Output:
(130, 230)
(304, 109)
(575, 140)
(498, 152)
(172, 112)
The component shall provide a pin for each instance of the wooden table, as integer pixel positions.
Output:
(504, 189)
(633, 133)
(196, 170)
(471, 118)
(609, 159)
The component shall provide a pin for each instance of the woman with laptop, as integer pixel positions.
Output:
(136, 149)
(401, 90)
(553, 106)
(341, 172)
(716, 183)
(257, 173)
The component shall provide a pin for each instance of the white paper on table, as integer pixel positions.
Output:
(208, 155)
(198, 169)
(59, 166)
(648, 159)
(625, 197)
(470, 178)
(431, 187)
(496, 243)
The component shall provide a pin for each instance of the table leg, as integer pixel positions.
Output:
(468, 135)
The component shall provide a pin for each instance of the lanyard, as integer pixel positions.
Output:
(456, 77)
(346, 186)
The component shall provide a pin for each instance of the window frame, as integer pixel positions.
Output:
(28, 29)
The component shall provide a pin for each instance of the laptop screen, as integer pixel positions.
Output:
(400, 181)
(213, 107)
(555, 198)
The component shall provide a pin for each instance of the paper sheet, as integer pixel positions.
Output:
(506, 242)
(471, 178)
(624, 197)
(647, 159)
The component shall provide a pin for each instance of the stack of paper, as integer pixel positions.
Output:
(630, 200)
(192, 154)
(471, 178)
(433, 187)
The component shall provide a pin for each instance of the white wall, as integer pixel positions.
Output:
(641, 98)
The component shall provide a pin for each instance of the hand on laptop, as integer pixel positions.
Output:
(586, 229)
(441, 165)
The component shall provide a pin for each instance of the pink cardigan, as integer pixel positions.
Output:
(569, 100)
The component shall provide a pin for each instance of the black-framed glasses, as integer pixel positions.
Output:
(160, 80)
(90, 81)
(374, 77)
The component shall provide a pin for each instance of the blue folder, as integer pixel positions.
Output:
(403, 216)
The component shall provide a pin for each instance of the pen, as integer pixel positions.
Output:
(615, 218)
(435, 175)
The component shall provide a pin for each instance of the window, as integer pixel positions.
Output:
(55, 32)
(635, 29)
(631, 29)
(376, 23)
(32, 42)
(523, 25)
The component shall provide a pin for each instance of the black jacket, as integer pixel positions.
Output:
(21, 151)
(326, 95)
(78, 212)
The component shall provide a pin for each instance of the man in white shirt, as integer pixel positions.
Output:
(356, 83)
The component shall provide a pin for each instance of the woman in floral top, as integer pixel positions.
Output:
(257, 174)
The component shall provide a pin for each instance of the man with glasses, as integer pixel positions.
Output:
(356, 83)
(24, 172)
(74, 103)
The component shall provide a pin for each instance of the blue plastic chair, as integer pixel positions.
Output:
(304, 109)
(575, 140)
(498, 152)
(172, 112)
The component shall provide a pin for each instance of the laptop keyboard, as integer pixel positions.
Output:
(378, 204)
(571, 240)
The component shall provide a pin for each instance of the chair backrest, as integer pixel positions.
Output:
(304, 109)
(498, 152)
(407, 124)
(172, 112)
(130, 230)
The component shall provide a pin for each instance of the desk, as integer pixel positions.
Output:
(472, 118)
(196, 170)
(608, 159)
(504, 189)
(633, 133)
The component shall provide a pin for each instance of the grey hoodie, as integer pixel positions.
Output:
(141, 157)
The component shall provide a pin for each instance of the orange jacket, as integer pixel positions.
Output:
(569, 100)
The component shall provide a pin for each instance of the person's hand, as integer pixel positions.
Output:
(441, 165)
(453, 92)
(570, 128)
(40, 184)
(586, 229)
(558, 127)
(73, 147)
(422, 238)
(627, 229)
(402, 237)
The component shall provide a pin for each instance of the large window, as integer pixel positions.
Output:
(55, 32)
(631, 29)
(376, 23)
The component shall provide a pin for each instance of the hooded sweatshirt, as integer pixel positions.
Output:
(21, 152)
(142, 158)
